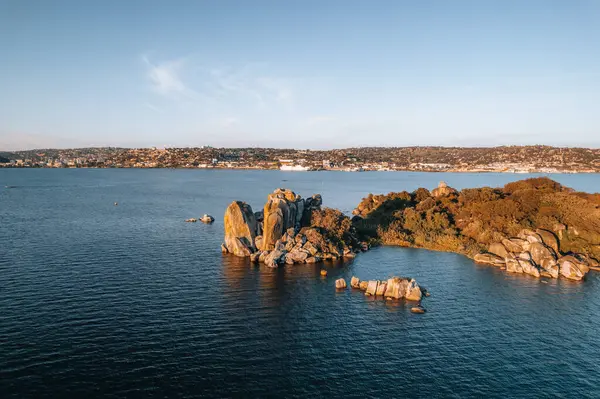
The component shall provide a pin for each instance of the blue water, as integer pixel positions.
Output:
(129, 300)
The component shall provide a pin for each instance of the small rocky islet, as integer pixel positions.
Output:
(533, 226)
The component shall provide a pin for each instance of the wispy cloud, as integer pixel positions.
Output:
(165, 77)
(248, 84)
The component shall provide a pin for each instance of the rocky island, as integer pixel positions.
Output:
(534, 226)
(289, 229)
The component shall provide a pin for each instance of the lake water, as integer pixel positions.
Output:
(128, 300)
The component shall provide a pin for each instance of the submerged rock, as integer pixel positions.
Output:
(417, 309)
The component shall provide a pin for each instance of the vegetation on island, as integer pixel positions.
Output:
(470, 220)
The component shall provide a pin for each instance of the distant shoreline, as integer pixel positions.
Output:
(565, 172)
(508, 159)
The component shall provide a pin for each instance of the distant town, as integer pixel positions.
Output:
(509, 159)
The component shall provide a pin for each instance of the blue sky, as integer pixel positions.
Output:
(308, 74)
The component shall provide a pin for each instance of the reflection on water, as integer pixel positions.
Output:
(99, 300)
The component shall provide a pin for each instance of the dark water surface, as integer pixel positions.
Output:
(128, 300)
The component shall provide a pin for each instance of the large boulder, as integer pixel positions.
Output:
(529, 235)
(240, 229)
(413, 291)
(372, 287)
(498, 249)
(572, 268)
(355, 282)
(544, 257)
(396, 288)
(513, 266)
(285, 211)
(529, 267)
(549, 239)
(275, 258)
(297, 255)
(514, 245)
(276, 213)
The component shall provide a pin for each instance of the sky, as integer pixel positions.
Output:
(304, 74)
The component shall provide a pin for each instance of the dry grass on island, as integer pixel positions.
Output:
(534, 222)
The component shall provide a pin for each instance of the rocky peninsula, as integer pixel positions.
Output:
(534, 226)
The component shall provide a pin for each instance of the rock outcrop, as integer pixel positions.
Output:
(535, 253)
(443, 190)
(393, 288)
(240, 229)
(289, 230)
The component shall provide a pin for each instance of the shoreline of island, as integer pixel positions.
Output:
(531, 227)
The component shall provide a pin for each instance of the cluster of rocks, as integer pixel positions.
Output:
(393, 288)
(204, 219)
(281, 232)
(536, 253)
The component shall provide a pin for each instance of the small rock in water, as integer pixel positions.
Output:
(417, 309)
(116, 203)
(207, 219)
(191, 220)
(323, 272)
(340, 283)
